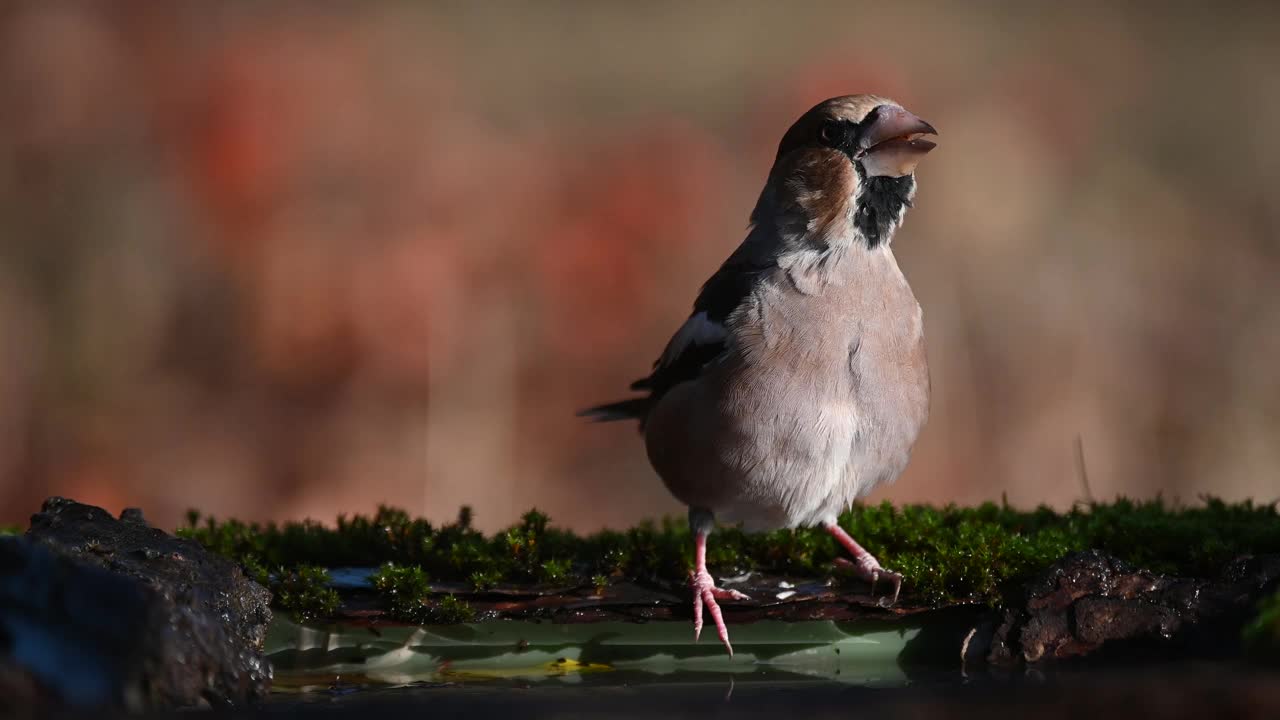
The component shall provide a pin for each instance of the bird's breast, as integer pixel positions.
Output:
(828, 389)
(818, 398)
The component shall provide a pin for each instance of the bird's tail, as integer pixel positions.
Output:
(633, 409)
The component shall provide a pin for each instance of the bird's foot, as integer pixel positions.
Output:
(706, 593)
(868, 568)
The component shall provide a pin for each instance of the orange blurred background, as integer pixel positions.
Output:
(277, 260)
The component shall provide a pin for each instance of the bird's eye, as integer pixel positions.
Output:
(832, 133)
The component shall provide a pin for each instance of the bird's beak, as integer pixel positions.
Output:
(893, 144)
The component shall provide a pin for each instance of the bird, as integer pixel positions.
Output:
(799, 381)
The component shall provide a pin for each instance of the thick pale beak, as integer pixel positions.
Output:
(893, 144)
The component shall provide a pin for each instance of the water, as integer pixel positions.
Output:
(516, 653)
(816, 669)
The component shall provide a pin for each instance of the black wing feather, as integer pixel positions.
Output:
(723, 293)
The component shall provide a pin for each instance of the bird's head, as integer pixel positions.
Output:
(847, 164)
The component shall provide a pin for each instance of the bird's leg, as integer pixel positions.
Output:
(864, 563)
(704, 587)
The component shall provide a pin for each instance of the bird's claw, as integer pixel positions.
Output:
(868, 568)
(705, 592)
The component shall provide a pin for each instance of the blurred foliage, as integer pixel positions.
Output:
(946, 554)
(10, 530)
(260, 259)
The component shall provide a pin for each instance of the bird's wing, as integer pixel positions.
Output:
(701, 339)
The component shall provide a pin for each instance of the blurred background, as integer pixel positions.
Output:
(275, 260)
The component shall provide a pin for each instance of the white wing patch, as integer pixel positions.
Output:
(697, 330)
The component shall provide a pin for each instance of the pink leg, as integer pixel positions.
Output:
(706, 592)
(864, 563)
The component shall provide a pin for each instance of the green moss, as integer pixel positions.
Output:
(599, 582)
(451, 609)
(304, 592)
(946, 554)
(555, 571)
(483, 580)
(403, 591)
(1262, 635)
(255, 570)
(406, 593)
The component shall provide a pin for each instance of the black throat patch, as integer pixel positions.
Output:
(880, 204)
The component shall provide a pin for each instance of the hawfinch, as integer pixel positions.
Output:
(799, 382)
